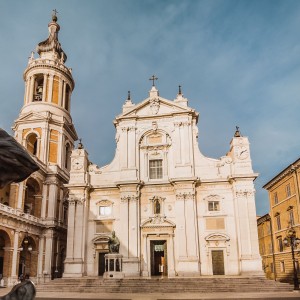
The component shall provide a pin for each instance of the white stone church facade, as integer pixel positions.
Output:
(175, 211)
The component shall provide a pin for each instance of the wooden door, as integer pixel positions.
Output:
(218, 262)
(101, 264)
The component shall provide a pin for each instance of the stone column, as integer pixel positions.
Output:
(186, 142)
(171, 256)
(44, 201)
(50, 90)
(44, 87)
(133, 226)
(64, 95)
(180, 208)
(26, 93)
(31, 88)
(177, 143)
(48, 254)
(60, 92)
(15, 257)
(71, 230)
(124, 207)
(145, 272)
(21, 192)
(79, 227)
(40, 257)
(131, 147)
(52, 199)
(191, 225)
(124, 148)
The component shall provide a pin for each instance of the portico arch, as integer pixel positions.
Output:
(5, 253)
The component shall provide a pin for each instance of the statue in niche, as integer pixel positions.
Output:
(156, 207)
(113, 243)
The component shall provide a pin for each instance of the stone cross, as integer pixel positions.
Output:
(153, 78)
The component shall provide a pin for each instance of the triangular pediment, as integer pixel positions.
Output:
(155, 107)
(32, 116)
(157, 221)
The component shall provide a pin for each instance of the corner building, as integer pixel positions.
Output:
(33, 213)
(175, 211)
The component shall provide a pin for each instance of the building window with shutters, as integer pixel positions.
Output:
(282, 267)
(288, 190)
(213, 205)
(156, 169)
(291, 215)
(278, 222)
(280, 244)
(275, 198)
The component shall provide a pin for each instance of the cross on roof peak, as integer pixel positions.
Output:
(153, 78)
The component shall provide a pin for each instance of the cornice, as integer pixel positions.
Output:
(287, 171)
(48, 63)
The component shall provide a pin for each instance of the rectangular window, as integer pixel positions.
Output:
(155, 169)
(288, 190)
(275, 198)
(291, 213)
(280, 244)
(270, 248)
(282, 267)
(105, 211)
(272, 267)
(297, 266)
(278, 222)
(213, 205)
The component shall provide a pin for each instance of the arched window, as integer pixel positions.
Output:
(67, 98)
(33, 198)
(68, 156)
(38, 88)
(32, 143)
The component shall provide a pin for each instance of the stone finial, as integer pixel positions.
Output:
(237, 132)
(180, 98)
(80, 145)
(54, 16)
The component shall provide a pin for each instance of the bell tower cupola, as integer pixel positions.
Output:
(44, 125)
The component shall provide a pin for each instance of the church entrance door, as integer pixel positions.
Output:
(101, 263)
(158, 258)
(218, 262)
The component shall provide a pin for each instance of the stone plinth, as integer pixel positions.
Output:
(113, 266)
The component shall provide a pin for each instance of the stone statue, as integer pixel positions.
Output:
(113, 243)
(22, 291)
(15, 163)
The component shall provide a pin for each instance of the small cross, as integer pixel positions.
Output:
(179, 91)
(153, 78)
(55, 12)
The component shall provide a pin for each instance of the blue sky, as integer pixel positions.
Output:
(238, 63)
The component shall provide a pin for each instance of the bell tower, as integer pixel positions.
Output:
(44, 126)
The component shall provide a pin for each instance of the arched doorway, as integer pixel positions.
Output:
(5, 243)
(33, 198)
(28, 257)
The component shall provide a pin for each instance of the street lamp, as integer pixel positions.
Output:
(293, 241)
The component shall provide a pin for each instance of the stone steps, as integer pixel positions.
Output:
(189, 285)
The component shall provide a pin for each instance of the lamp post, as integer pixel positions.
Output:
(293, 241)
(26, 247)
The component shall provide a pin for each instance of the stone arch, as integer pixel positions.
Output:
(155, 131)
(38, 87)
(5, 253)
(154, 153)
(33, 197)
(32, 142)
(28, 257)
